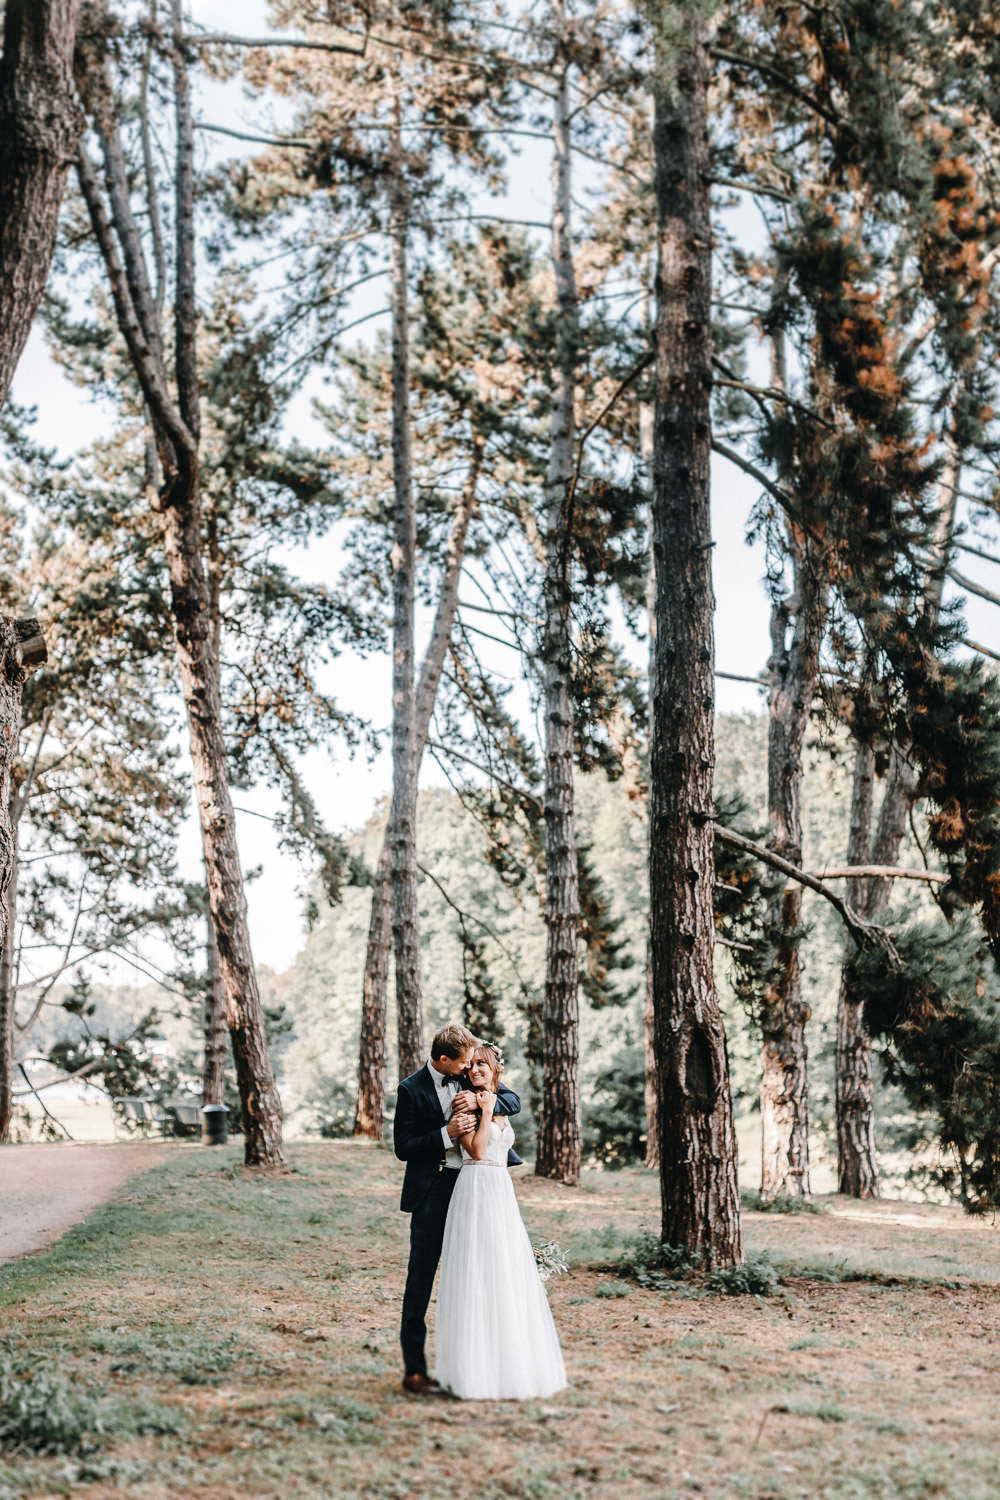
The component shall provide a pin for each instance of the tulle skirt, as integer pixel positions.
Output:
(494, 1334)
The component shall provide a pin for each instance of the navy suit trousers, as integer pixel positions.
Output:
(427, 1222)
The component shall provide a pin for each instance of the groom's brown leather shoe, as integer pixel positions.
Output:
(420, 1385)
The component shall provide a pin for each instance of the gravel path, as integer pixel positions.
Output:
(46, 1189)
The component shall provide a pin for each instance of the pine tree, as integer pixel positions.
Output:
(700, 1200)
(559, 1140)
(184, 499)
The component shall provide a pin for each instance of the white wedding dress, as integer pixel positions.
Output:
(494, 1333)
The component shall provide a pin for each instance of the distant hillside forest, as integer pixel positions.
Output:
(483, 956)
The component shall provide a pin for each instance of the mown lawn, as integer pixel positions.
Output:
(226, 1335)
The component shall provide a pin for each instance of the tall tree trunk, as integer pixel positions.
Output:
(176, 426)
(797, 627)
(857, 1163)
(559, 1133)
(403, 816)
(213, 1073)
(40, 124)
(784, 1095)
(649, 1065)
(198, 668)
(646, 419)
(370, 1109)
(195, 633)
(368, 1118)
(8, 988)
(22, 649)
(698, 1153)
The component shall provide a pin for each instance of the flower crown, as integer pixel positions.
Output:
(492, 1046)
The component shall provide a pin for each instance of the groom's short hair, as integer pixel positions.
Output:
(452, 1041)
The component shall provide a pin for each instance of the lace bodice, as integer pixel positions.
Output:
(500, 1141)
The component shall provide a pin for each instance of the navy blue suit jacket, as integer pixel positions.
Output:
(416, 1133)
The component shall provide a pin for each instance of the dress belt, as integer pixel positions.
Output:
(483, 1164)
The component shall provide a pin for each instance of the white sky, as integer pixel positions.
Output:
(346, 790)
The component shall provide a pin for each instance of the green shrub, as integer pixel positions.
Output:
(667, 1267)
(649, 1262)
(756, 1277)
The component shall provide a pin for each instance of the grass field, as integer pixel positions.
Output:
(212, 1333)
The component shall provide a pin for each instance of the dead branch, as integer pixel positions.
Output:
(972, 588)
(880, 872)
(861, 931)
(223, 39)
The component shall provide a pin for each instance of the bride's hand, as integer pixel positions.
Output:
(486, 1101)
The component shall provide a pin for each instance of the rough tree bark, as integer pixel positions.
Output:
(176, 424)
(22, 649)
(646, 417)
(403, 815)
(40, 124)
(7, 981)
(559, 1133)
(368, 1118)
(797, 625)
(857, 1163)
(213, 1072)
(784, 1094)
(698, 1155)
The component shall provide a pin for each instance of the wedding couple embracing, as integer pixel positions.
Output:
(493, 1334)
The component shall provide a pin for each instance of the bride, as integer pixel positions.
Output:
(494, 1334)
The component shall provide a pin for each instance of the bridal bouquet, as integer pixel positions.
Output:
(550, 1259)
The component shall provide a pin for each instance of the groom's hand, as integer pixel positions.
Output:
(463, 1101)
(460, 1123)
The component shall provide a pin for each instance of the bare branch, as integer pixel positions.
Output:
(762, 479)
(620, 389)
(223, 39)
(260, 140)
(519, 791)
(768, 392)
(758, 191)
(972, 588)
(983, 650)
(45, 1109)
(18, 802)
(147, 368)
(975, 551)
(36, 1089)
(468, 916)
(861, 931)
(880, 872)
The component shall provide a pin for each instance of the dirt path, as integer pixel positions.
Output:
(46, 1189)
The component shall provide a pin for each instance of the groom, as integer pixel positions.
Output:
(431, 1113)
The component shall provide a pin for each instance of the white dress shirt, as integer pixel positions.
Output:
(447, 1088)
